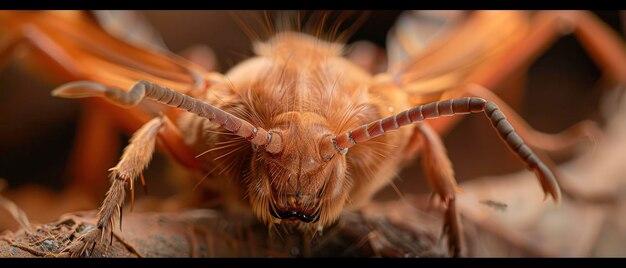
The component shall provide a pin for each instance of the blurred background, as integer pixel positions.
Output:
(561, 87)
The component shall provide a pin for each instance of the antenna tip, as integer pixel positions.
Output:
(79, 89)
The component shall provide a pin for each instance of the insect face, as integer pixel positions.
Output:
(306, 182)
(300, 89)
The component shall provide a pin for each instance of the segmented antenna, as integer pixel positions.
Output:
(142, 89)
(448, 108)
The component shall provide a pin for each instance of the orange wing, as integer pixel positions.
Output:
(453, 46)
(82, 49)
(486, 47)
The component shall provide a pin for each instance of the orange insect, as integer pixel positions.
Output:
(300, 131)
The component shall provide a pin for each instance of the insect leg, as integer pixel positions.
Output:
(440, 176)
(134, 160)
(603, 44)
(95, 149)
(98, 123)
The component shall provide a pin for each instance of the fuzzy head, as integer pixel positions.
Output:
(306, 181)
(301, 89)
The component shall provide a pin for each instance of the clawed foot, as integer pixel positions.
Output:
(84, 246)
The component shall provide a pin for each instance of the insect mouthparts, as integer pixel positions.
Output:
(292, 213)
